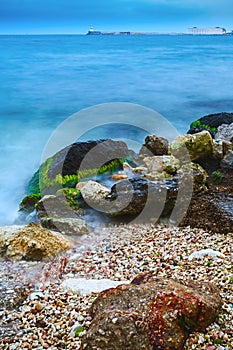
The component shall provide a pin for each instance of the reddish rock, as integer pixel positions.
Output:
(150, 313)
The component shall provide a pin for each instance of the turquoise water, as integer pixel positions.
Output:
(45, 79)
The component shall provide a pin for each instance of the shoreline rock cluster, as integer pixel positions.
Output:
(189, 183)
(193, 173)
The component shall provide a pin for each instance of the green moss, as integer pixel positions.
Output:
(197, 124)
(72, 195)
(28, 203)
(217, 176)
(79, 330)
(42, 183)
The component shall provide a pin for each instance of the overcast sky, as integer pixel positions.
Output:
(76, 16)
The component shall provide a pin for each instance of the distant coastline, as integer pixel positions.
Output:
(191, 31)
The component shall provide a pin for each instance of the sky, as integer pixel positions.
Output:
(76, 16)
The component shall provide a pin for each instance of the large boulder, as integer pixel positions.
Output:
(151, 313)
(197, 146)
(154, 145)
(82, 157)
(70, 158)
(31, 242)
(131, 197)
(211, 122)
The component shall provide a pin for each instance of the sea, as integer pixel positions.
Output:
(46, 79)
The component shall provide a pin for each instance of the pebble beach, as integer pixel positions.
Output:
(39, 311)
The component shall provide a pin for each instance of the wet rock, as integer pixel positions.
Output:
(155, 145)
(56, 214)
(195, 146)
(130, 197)
(31, 242)
(77, 157)
(118, 177)
(67, 226)
(28, 203)
(151, 313)
(68, 160)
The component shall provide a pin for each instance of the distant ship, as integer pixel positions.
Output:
(91, 31)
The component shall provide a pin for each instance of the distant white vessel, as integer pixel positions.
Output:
(207, 31)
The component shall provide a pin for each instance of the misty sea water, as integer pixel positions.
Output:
(45, 79)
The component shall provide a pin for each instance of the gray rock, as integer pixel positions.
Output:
(227, 161)
(225, 133)
(67, 226)
(94, 194)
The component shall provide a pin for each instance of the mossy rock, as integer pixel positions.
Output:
(28, 203)
(63, 169)
(195, 146)
(71, 194)
(211, 122)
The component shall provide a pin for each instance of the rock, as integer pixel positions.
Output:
(227, 161)
(212, 211)
(80, 156)
(225, 133)
(197, 146)
(155, 145)
(118, 177)
(28, 203)
(94, 194)
(31, 242)
(130, 197)
(85, 286)
(156, 176)
(56, 214)
(211, 122)
(206, 252)
(217, 119)
(167, 164)
(55, 207)
(67, 226)
(70, 158)
(151, 313)
(199, 176)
